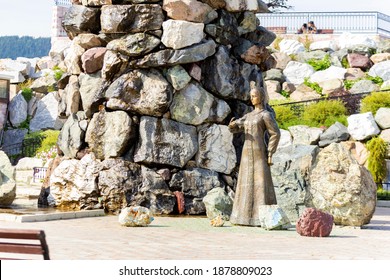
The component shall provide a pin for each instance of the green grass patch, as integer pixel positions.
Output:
(375, 101)
(320, 64)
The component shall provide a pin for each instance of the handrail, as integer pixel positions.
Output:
(353, 22)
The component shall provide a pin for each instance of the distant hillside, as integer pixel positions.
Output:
(26, 46)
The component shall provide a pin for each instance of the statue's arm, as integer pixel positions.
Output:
(236, 126)
(274, 133)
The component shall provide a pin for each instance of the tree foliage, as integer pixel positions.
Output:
(275, 5)
(26, 46)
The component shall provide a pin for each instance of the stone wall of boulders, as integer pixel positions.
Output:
(360, 53)
(148, 91)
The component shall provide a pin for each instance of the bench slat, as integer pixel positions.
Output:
(23, 248)
(20, 248)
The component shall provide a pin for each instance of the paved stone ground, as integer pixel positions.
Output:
(192, 238)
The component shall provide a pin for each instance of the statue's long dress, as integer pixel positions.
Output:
(254, 184)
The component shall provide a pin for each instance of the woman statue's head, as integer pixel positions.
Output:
(257, 94)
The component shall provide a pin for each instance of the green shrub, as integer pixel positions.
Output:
(46, 140)
(377, 80)
(25, 124)
(383, 194)
(320, 64)
(375, 101)
(376, 159)
(325, 113)
(314, 86)
(348, 84)
(345, 63)
(27, 94)
(285, 116)
(58, 72)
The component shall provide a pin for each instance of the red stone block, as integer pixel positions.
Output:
(181, 204)
(315, 223)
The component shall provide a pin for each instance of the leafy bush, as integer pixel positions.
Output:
(43, 141)
(320, 64)
(376, 159)
(285, 116)
(325, 113)
(375, 101)
(377, 80)
(348, 84)
(383, 194)
(345, 63)
(27, 94)
(58, 72)
(314, 86)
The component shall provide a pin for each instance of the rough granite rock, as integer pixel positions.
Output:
(110, 134)
(272, 217)
(17, 110)
(92, 59)
(216, 150)
(131, 18)
(195, 184)
(7, 181)
(194, 105)
(334, 134)
(362, 126)
(79, 19)
(315, 223)
(164, 141)
(145, 92)
(189, 10)
(178, 34)
(382, 118)
(73, 184)
(218, 203)
(119, 182)
(71, 138)
(134, 44)
(342, 187)
(46, 116)
(290, 175)
(135, 216)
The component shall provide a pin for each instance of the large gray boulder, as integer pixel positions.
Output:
(364, 86)
(334, 134)
(382, 118)
(131, 18)
(119, 181)
(195, 184)
(90, 92)
(140, 91)
(110, 134)
(225, 29)
(381, 69)
(13, 139)
(164, 141)
(194, 105)
(46, 116)
(223, 76)
(7, 181)
(305, 135)
(134, 44)
(71, 137)
(169, 57)
(362, 126)
(154, 193)
(17, 109)
(290, 175)
(70, 97)
(80, 19)
(216, 149)
(218, 203)
(340, 186)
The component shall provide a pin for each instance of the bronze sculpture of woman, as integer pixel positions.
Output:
(254, 184)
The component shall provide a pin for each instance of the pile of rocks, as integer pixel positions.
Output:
(149, 89)
(360, 53)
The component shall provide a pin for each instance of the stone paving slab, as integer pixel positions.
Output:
(192, 238)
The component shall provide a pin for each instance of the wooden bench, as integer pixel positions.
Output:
(24, 242)
(277, 29)
(325, 31)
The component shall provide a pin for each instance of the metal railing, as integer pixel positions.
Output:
(339, 22)
(351, 102)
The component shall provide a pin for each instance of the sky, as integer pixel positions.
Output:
(33, 17)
